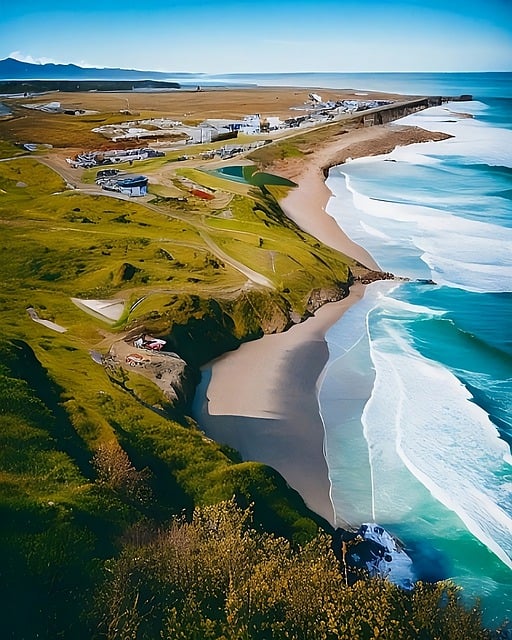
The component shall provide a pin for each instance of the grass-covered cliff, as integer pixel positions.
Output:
(205, 277)
(64, 514)
(204, 274)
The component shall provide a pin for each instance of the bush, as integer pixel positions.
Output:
(216, 577)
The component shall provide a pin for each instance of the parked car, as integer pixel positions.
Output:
(136, 360)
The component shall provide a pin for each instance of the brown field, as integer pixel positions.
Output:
(189, 107)
(207, 103)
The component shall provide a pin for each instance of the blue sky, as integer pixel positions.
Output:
(265, 36)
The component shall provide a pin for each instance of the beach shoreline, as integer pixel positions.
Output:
(306, 204)
(270, 413)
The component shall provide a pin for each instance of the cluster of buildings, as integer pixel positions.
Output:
(152, 128)
(316, 104)
(231, 150)
(90, 159)
(56, 107)
(165, 130)
(315, 111)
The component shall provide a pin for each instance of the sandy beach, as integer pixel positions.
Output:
(270, 412)
(306, 204)
(261, 399)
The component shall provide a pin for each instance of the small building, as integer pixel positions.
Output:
(273, 123)
(50, 107)
(132, 185)
(125, 183)
(250, 125)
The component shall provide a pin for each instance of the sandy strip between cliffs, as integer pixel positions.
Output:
(261, 399)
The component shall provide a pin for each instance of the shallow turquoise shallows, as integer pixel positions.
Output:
(426, 450)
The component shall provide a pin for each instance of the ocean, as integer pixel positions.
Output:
(416, 397)
(425, 84)
(424, 446)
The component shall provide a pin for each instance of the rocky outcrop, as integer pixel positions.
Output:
(319, 297)
(174, 377)
(170, 373)
(200, 329)
(373, 551)
(196, 330)
(369, 275)
(124, 273)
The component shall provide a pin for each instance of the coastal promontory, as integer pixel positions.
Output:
(138, 246)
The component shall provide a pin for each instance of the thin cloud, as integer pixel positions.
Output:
(291, 43)
(23, 57)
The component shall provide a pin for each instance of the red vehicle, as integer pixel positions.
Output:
(148, 342)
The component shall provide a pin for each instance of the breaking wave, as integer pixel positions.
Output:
(419, 414)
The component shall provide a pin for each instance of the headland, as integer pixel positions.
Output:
(203, 259)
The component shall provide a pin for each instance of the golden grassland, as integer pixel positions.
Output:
(190, 107)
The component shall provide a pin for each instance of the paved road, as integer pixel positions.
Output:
(73, 177)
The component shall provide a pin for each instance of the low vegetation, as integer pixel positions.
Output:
(120, 518)
(60, 244)
(299, 145)
(81, 465)
(215, 576)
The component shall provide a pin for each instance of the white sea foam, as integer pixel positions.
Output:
(343, 389)
(372, 231)
(473, 139)
(341, 339)
(392, 306)
(469, 276)
(419, 415)
(482, 262)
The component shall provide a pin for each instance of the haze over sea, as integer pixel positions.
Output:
(416, 397)
(491, 85)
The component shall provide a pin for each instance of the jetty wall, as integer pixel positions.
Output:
(390, 112)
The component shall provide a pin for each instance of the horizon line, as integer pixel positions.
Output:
(226, 73)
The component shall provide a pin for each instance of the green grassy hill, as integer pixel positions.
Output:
(185, 264)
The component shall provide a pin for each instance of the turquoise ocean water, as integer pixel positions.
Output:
(426, 448)
(416, 397)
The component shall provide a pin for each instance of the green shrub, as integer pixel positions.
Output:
(217, 577)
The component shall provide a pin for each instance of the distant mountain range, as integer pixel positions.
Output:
(11, 69)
